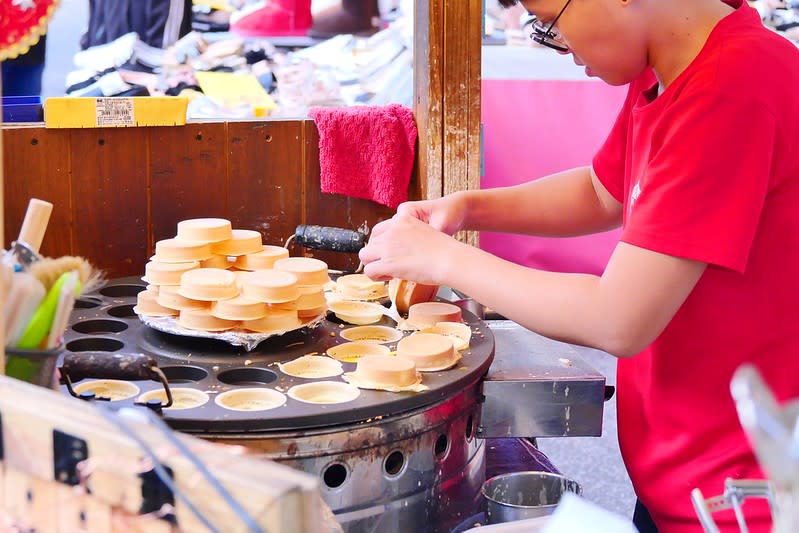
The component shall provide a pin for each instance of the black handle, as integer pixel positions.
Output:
(610, 390)
(104, 365)
(329, 239)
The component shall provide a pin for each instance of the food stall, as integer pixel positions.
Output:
(381, 460)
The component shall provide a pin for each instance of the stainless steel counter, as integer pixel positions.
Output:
(538, 387)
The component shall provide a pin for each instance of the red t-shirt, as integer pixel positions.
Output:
(709, 170)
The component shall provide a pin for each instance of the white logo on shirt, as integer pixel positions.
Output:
(634, 195)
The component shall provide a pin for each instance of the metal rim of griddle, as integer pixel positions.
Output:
(118, 330)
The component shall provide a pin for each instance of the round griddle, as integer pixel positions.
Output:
(105, 321)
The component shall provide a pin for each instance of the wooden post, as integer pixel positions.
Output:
(2, 283)
(447, 48)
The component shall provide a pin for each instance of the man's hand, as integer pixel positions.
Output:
(408, 248)
(447, 214)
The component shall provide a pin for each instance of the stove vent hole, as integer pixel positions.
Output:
(335, 475)
(394, 463)
(469, 428)
(440, 449)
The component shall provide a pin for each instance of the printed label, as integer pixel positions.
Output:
(114, 111)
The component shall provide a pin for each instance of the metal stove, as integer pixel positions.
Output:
(386, 462)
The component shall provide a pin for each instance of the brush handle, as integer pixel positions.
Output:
(104, 365)
(35, 223)
(331, 239)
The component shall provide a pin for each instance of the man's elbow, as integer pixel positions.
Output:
(624, 344)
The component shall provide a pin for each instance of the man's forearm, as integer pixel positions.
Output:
(560, 205)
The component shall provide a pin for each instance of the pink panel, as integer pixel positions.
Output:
(534, 128)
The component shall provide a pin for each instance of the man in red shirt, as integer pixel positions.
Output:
(701, 170)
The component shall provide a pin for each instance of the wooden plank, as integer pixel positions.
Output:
(333, 209)
(462, 38)
(474, 85)
(110, 198)
(428, 100)
(447, 97)
(188, 168)
(37, 163)
(265, 177)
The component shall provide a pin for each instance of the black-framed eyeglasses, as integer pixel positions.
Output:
(548, 35)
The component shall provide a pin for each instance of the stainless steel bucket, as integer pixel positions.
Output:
(33, 366)
(521, 495)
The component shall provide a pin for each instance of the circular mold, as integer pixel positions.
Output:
(350, 352)
(100, 326)
(247, 375)
(114, 390)
(324, 392)
(372, 334)
(184, 373)
(181, 398)
(359, 313)
(250, 399)
(119, 291)
(95, 344)
(88, 302)
(312, 367)
(123, 311)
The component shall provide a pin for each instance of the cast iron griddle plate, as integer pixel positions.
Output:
(105, 321)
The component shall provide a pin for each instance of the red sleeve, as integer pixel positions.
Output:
(609, 161)
(705, 183)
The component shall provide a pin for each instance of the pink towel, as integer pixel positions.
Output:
(366, 152)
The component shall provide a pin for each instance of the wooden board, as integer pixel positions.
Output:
(109, 187)
(265, 176)
(37, 165)
(187, 177)
(276, 497)
(118, 191)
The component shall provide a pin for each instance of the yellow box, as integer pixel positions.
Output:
(90, 112)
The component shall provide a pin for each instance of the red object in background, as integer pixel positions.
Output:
(22, 23)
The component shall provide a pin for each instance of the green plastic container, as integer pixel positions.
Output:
(34, 366)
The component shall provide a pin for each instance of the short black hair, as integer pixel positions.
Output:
(508, 3)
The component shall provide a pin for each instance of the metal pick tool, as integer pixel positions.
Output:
(22, 254)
